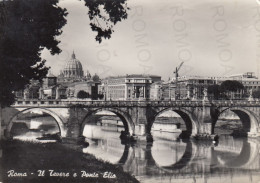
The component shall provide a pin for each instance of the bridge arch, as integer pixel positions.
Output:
(125, 155)
(125, 118)
(187, 157)
(249, 120)
(62, 128)
(129, 158)
(248, 156)
(192, 125)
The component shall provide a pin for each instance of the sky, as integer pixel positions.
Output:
(211, 37)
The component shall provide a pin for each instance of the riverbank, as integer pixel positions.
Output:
(25, 162)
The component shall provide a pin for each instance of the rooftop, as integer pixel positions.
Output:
(133, 76)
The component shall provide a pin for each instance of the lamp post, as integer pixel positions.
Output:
(103, 92)
(170, 91)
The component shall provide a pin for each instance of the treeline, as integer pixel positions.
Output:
(230, 89)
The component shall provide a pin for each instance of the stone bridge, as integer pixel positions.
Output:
(138, 117)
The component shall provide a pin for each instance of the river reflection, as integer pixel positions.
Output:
(34, 129)
(172, 160)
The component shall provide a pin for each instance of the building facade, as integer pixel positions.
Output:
(31, 91)
(193, 87)
(249, 80)
(89, 86)
(129, 87)
(50, 89)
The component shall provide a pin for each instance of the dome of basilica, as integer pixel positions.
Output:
(73, 68)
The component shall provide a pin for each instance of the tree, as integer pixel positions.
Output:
(214, 90)
(100, 96)
(256, 94)
(103, 23)
(82, 94)
(26, 27)
(231, 86)
(29, 26)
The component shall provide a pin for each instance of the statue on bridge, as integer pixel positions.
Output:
(194, 94)
(250, 98)
(133, 93)
(26, 93)
(205, 93)
(41, 94)
(70, 92)
(188, 94)
(141, 92)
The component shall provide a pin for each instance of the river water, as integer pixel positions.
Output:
(169, 159)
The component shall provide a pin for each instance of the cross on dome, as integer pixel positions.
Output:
(73, 56)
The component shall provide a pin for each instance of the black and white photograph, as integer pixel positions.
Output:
(129, 91)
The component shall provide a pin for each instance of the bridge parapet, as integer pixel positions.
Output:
(98, 103)
(229, 103)
(131, 103)
(37, 102)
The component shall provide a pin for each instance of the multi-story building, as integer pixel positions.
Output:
(162, 91)
(31, 91)
(50, 89)
(156, 90)
(90, 87)
(249, 80)
(192, 87)
(188, 87)
(128, 87)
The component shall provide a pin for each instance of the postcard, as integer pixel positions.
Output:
(129, 91)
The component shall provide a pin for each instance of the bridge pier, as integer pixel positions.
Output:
(73, 130)
(1, 131)
(74, 135)
(206, 116)
(205, 133)
(3, 125)
(6, 134)
(142, 134)
(205, 128)
(142, 118)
